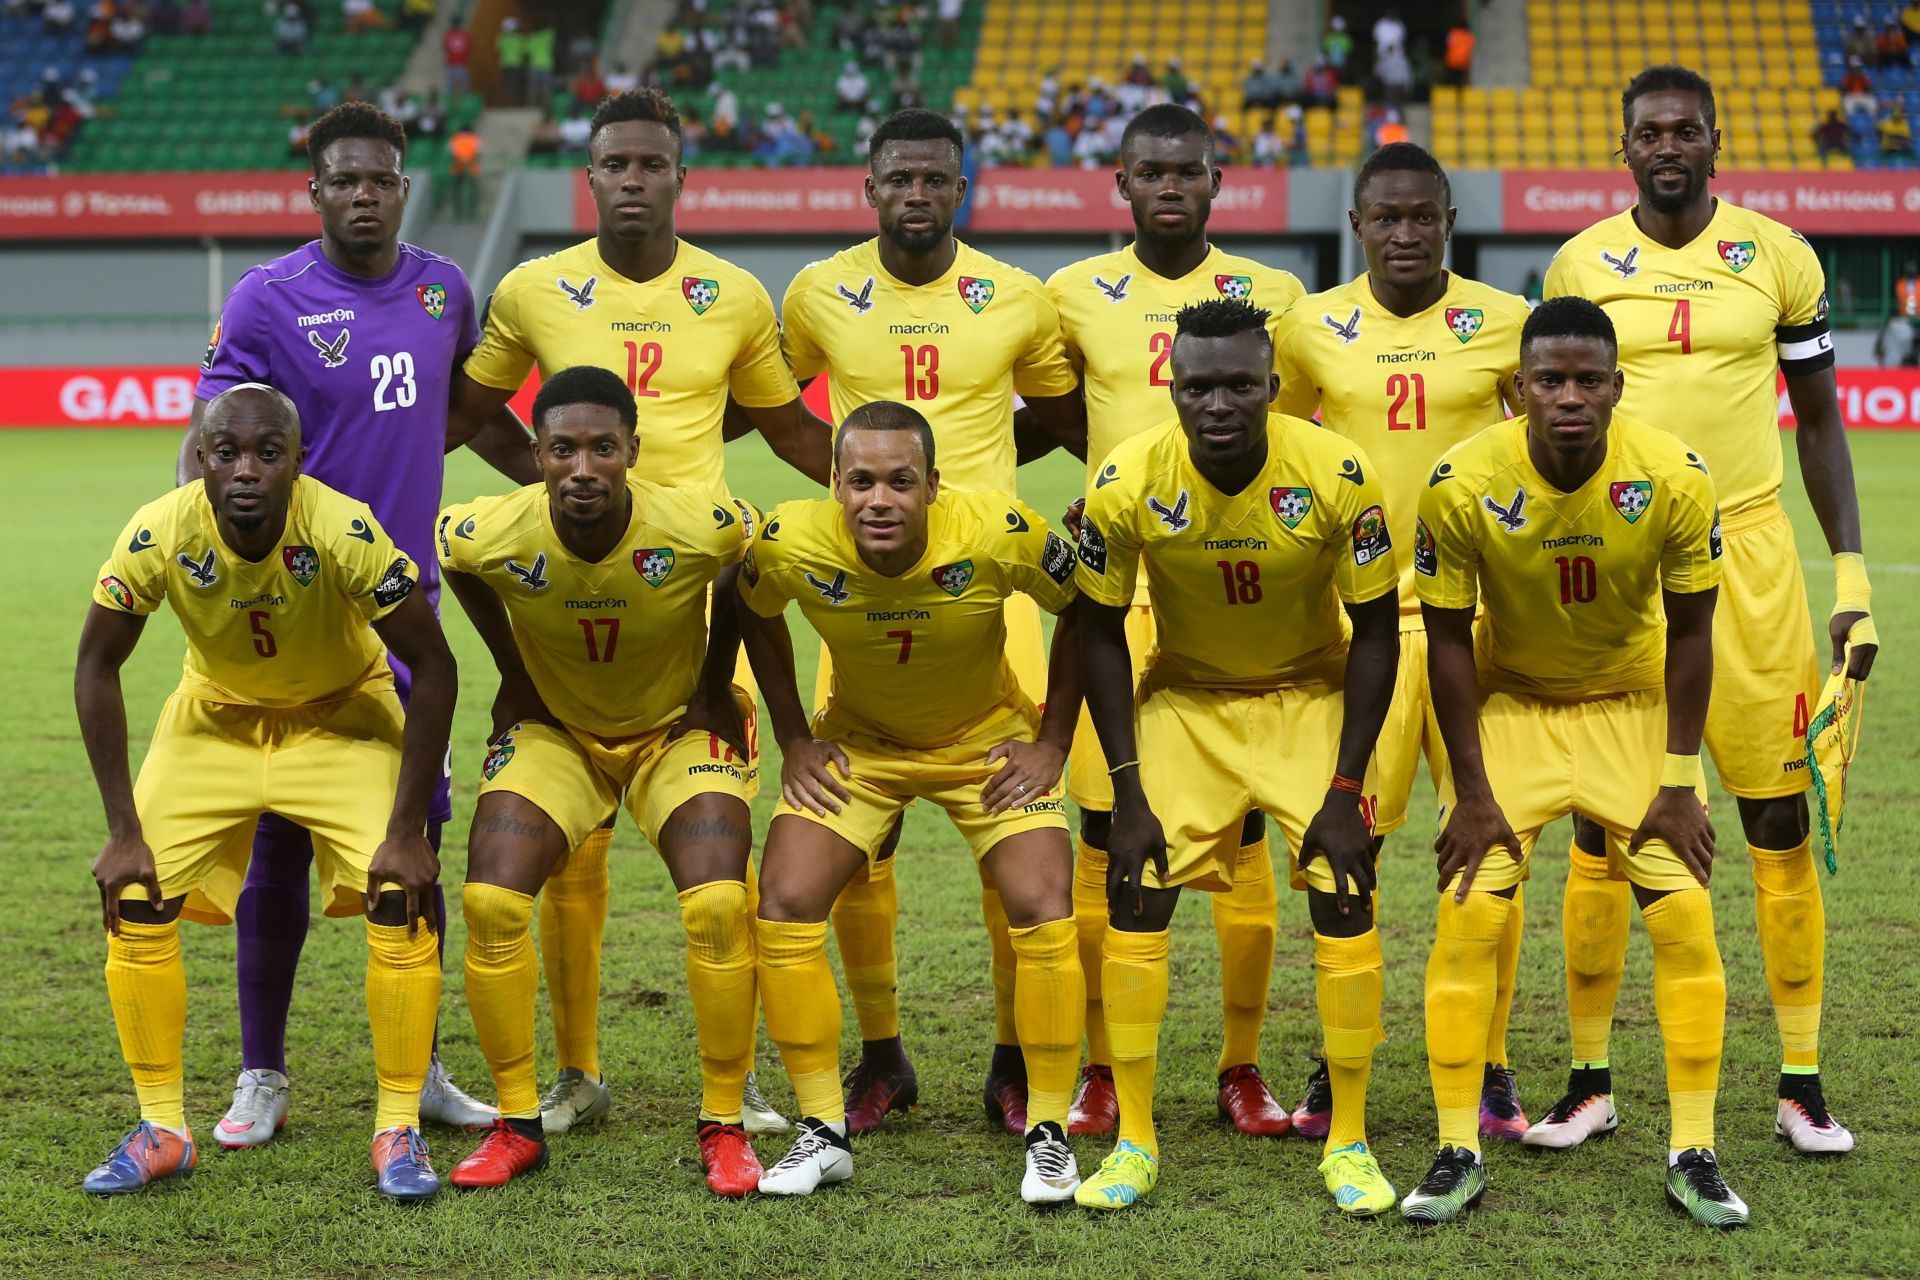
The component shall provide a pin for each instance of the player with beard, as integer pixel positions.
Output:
(919, 317)
(1116, 311)
(1712, 303)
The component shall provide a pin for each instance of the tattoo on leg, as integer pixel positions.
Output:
(501, 825)
(716, 828)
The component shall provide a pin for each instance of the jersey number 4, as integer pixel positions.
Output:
(1680, 328)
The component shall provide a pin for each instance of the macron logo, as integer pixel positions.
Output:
(337, 316)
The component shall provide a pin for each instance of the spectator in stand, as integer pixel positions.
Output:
(1389, 32)
(415, 14)
(906, 88)
(1861, 125)
(511, 45)
(621, 79)
(322, 95)
(432, 115)
(1047, 96)
(1288, 86)
(575, 130)
(1175, 81)
(849, 28)
(1896, 134)
(58, 17)
(464, 148)
(1226, 143)
(290, 31)
(852, 91)
(1856, 90)
(363, 15)
(1323, 83)
(297, 138)
(1058, 143)
(196, 17)
(902, 42)
(949, 14)
(693, 134)
(1269, 149)
(1392, 129)
(1260, 88)
(540, 66)
(726, 115)
(730, 53)
(1859, 44)
(780, 142)
(1337, 44)
(1831, 136)
(456, 47)
(1459, 56)
(587, 87)
(819, 139)
(1393, 73)
(1891, 45)
(863, 129)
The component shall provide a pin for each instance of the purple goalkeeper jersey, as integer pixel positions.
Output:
(368, 363)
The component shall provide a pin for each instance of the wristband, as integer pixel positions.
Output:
(1351, 785)
(1851, 592)
(1681, 771)
(1130, 764)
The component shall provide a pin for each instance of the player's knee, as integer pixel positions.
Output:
(1038, 907)
(1095, 826)
(1784, 873)
(390, 909)
(892, 842)
(1253, 829)
(140, 910)
(714, 916)
(1776, 823)
(1329, 921)
(1589, 836)
(492, 911)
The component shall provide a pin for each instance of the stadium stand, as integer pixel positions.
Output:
(1878, 44)
(51, 85)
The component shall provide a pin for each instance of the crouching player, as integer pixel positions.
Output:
(904, 581)
(1593, 543)
(590, 591)
(287, 706)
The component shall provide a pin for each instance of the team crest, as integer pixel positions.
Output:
(1175, 517)
(1056, 558)
(1291, 503)
(533, 577)
(1626, 268)
(201, 570)
(1713, 537)
(433, 299)
(1370, 538)
(497, 756)
(861, 302)
(700, 293)
(1349, 332)
(583, 296)
(332, 354)
(213, 347)
(302, 563)
(1240, 287)
(1509, 517)
(954, 578)
(1093, 546)
(1117, 291)
(1426, 556)
(1631, 498)
(1464, 322)
(1738, 254)
(976, 293)
(834, 592)
(123, 596)
(654, 564)
(395, 585)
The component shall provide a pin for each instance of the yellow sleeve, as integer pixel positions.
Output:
(1690, 554)
(1056, 292)
(504, 357)
(1042, 368)
(375, 574)
(762, 570)
(1559, 280)
(1362, 548)
(134, 578)
(454, 537)
(760, 377)
(1803, 283)
(1109, 556)
(1446, 558)
(1038, 561)
(735, 549)
(797, 341)
(1298, 394)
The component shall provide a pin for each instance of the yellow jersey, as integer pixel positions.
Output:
(614, 646)
(955, 349)
(1246, 587)
(1117, 317)
(1406, 389)
(919, 659)
(285, 631)
(699, 331)
(1703, 330)
(1568, 583)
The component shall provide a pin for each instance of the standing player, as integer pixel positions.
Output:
(363, 333)
(1116, 312)
(1407, 361)
(916, 316)
(1584, 536)
(590, 591)
(905, 581)
(685, 330)
(287, 706)
(1254, 529)
(1712, 302)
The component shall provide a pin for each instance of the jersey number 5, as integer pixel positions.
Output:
(1404, 387)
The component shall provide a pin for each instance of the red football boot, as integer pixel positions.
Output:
(1096, 1107)
(502, 1156)
(1005, 1098)
(1246, 1100)
(872, 1094)
(727, 1155)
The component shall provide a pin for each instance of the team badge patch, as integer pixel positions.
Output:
(1056, 559)
(746, 520)
(497, 756)
(954, 578)
(1175, 517)
(1626, 268)
(1093, 546)
(213, 347)
(700, 293)
(834, 592)
(1509, 517)
(433, 299)
(1349, 332)
(332, 354)
(302, 563)
(976, 293)
(1117, 291)
(861, 302)
(123, 597)
(1291, 503)
(583, 296)
(1631, 498)
(1464, 322)
(1738, 254)
(1426, 556)
(533, 577)
(1370, 540)
(1713, 537)
(1234, 286)
(395, 585)
(201, 570)
(654, 564)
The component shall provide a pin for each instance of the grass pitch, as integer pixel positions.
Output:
(935, 1193)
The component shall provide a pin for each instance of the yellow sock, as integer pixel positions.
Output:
(403, 1007)
(1508, 965)
(503, 980)
(147, 986)
(1349, 974)
(1690, 997)
(1244, 921)
(803, 1012)
(1090, 923)
(1793, 942)
(1133, 973)
(1050, 999)
(1006, 1028)
(720, 980)
(753, 913)
(1461, 974)
(1594, 920)
(863, 923)
(573, 916)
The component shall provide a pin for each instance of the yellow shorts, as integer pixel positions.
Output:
(1026, 653)
(1600, 758)
(1411, 731)
(888, 777)
(578, 779)
(214, 768)
(1766, 670)
(1209, 756)
(1087, 782)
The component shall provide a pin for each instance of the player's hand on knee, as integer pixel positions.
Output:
(1136, 840)
(1031, 771)
(1857, 628)
(123, 861)
(1339, 834)
(1677, 817)
(1474, 829)
(807, 775)
(718, 718)
(406, 860)
(518, 702)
